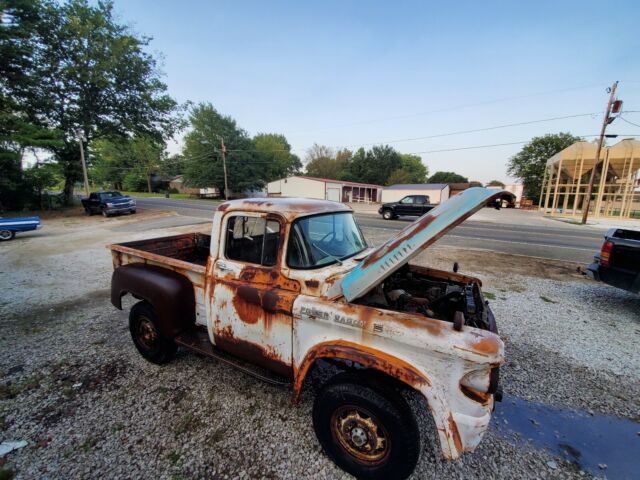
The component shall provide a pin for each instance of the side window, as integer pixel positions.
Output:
(252, 240)
(93, 196)
(421, 199)
(407, 201)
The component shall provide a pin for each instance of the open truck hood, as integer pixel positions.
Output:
(398, 250)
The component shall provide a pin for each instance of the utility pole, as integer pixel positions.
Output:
(605, 121)
(82, 138)
(224, 166)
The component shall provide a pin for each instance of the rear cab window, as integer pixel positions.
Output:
(252, 240)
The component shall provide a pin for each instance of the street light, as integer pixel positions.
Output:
(82, 138)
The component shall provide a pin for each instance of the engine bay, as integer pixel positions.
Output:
(441, 298)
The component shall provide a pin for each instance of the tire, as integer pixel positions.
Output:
(132, 212)
(145, 332)
(388, 215)
(366, 428)
(6, 235)
(105, 214)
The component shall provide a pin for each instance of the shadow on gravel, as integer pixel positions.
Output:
(600, 444)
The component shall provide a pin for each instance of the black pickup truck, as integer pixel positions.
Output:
(108, 203)
(618, 262)
(411, 205)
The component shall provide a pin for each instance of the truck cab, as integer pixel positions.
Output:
(286, 285)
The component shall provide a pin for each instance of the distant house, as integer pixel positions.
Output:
(437, 192)
(177, 182)
(324, 189)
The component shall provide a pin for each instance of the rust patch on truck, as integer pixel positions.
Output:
(454, 433)
(365, 356)
(312, 283)
(256, 354)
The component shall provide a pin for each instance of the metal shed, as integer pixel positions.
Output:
(325, 189)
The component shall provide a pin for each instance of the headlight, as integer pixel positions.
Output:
(109, 205)
(132, 202)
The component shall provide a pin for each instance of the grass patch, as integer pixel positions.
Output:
(88, 444)
(188, 423)
(489, 295)
(7, 473)
(180, 196)
(547, 299)
(173, 457)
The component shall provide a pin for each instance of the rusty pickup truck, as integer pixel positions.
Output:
(283, 286)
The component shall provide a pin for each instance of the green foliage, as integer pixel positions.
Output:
(529, 163)
(447, 177)
(274, 154)
(495, 183)
(411, 171)
(126, 163)
(80, 68)
(376, 165)
(203, 165)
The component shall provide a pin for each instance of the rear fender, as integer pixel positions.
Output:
(171, 294)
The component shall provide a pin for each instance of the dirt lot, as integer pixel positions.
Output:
(73, 386)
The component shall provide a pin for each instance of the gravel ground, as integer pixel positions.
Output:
(74, 387)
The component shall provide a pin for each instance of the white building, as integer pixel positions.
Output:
(325, 189)
(437, 192)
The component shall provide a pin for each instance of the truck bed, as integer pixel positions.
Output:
(188, 251)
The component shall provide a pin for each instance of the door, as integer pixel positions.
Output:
(333, 194)
(421, 205)
(93, 202)
(405, 206)
(251, 304)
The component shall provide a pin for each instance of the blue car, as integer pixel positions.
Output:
(10, 226)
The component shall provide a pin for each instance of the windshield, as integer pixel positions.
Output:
(108, 195)
(324, 239)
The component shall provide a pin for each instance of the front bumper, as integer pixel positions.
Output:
(120, 209)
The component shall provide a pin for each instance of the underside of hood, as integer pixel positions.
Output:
(398, 250)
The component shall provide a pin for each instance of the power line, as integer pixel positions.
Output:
(447, 109)
(630, 123)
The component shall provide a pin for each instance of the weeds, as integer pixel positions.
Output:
(546, 299)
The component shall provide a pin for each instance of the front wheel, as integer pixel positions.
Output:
(367, 429)
(6, 235)
(387, 214)
(145, 332)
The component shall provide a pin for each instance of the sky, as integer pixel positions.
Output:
(357, 73)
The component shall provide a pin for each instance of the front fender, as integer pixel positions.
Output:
(171, 294)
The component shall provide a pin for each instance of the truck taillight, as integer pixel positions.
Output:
(605, 252)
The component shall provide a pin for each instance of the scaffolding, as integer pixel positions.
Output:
(616, 190)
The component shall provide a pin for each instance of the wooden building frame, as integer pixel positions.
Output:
(616, 191)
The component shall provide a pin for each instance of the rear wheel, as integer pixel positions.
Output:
(87, 211)
(145, 332)
(387, 215)
(366, 428)
(6, 235)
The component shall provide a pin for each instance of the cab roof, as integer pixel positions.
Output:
(287, 206)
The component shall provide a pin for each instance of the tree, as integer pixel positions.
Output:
(320, 162)
(88, 71)
(203, 165)
(495, 183)
(411, 171)
(375, 165)
(274, 153)
(447, 177)
(529, 163)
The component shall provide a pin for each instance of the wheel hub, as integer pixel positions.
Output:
(147, 333)
(360, 434)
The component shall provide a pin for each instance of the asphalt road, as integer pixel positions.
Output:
(566, 242)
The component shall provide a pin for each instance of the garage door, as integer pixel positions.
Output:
(333, 194)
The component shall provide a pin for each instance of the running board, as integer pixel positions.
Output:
(198, 341)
